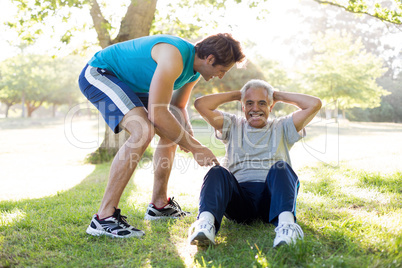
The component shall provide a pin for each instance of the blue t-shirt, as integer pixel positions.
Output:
(132, 63)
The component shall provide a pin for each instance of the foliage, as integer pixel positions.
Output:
(113, 27)
(65, 71)
(343, 71)
(388, 11)
(390, 109)
(395, 98)
(375, 35)
(33, 15)
(276, 75)
(38, 79)
(8, 96)
(192, 18)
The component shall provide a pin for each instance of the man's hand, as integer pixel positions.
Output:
(275, 100)
(205, 157)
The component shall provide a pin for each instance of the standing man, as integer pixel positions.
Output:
(134, 84)
(257, 181)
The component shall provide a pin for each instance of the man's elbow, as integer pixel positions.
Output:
(198, 104)
(317, 104)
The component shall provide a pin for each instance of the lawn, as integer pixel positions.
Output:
(351, 217)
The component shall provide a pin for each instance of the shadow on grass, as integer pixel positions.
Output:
(236, 245)
(162, 252)
(50, 231)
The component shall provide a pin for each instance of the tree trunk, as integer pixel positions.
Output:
(23, 105)
(136, 23)
(31, 107)
(7, 109)
(54, 109)
(336, 110)
(29, 111)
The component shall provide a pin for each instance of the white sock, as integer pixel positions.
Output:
(206, 215)
(286, 216)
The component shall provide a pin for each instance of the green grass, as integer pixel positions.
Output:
(350, 218)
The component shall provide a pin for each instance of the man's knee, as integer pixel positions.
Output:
(281, 170)
(217, 172)
(141, 131)
(280, 165)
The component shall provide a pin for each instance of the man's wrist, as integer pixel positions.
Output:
(237, 95)
(277, 96)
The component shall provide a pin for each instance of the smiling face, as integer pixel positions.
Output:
(209, 71)
(256, 106)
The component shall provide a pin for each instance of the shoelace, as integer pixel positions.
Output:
(121, 219)
(292, 226)
(174, 203)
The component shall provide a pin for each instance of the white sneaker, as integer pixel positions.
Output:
(203, 234)
(287, 233)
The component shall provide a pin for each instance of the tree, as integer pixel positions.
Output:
(275, 74)
(388, 11)
(9, 97)
(32, 18)
(35, 80)
(63, 85)
(373, 37)
(137, 21)
(376, 36)
(17, 74)
(344, 72)
(394, 100)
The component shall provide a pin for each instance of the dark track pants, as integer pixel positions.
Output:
(245, 202)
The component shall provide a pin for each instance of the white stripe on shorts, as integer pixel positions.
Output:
(97, 82)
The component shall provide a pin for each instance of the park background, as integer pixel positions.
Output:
(55, 149)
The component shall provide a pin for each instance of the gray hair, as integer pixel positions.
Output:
(257, 83)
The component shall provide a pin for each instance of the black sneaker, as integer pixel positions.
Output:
(171, 210)
(113, 226)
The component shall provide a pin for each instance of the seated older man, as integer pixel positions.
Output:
(256, 180)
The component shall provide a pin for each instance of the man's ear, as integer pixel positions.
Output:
(210, 59)
(270, 108)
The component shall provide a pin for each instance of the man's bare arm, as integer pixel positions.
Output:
(207, 107)
(169, 68)
(309, 106)
(178, 107)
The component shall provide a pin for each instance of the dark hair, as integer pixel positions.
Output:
(223, 47)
